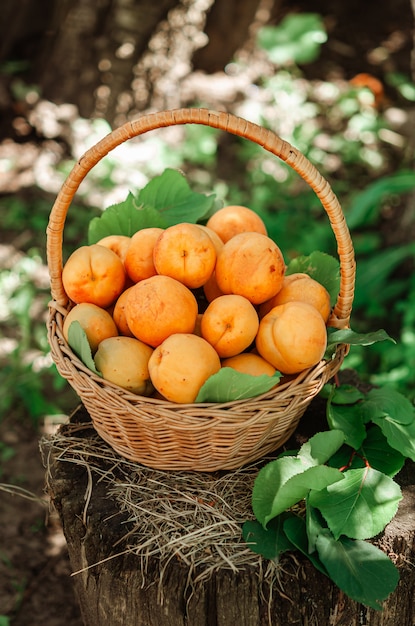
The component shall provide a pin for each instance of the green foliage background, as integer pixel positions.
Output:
(336, 125)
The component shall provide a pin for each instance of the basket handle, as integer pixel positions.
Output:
(235, 125)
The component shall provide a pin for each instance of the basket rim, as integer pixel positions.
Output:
(233, 124)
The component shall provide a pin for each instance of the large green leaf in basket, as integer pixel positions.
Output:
(166, 200)
(228, 384)
(171, 195)
(78, 341)
(125, 218)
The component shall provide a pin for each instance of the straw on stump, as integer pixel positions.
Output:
(157, 548)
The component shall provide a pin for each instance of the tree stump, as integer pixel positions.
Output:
(141, 556)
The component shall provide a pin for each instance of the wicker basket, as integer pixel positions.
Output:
(201, 437)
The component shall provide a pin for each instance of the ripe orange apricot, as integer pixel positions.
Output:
(234, 219)
(181, 365)
(185, 252)
(211, 289)
(292, 337)
(251, 265)
(302, 288)
(158, 307)
(95, 321)
(93, 274)
(124, 362)
(117, 243)
(139, 259)
(249, 363)
(216, 240)
(230, 324)
(118, 314)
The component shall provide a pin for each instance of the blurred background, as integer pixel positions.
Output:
(336, 79)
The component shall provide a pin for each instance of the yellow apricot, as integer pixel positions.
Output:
(234, 219)
(229, 324)
(249, 363)
(181, 365)
(292, 337)
(158, 307)
(118, 314)
(302, 288)
(185, 252)
(93, 274)
(139, 262)
(250, 265)
(216, 240)
(117, 243)
(211, 289)
(95, 321)
(124, 362)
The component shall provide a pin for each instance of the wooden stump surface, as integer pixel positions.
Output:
(116, 585)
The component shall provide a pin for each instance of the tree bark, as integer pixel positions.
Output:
(81, 52)
(227, 28)
(121, 591)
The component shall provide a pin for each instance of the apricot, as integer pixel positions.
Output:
(302, 288)
(181, 365)
(160, 306)
(211, 289)
(292, 337)
(250, 265)
(139, 259)
(118, 314)
(230, 324)
(234, 219)
(249, 363)
(185, 252)
(95, 321)
(216, 240)
(124, 362)
(93, 274)
(117, 243)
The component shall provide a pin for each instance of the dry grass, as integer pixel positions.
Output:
(195, 517)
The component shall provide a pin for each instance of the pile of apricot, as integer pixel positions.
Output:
(138, 300)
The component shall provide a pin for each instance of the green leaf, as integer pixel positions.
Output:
(271, 541)
(79, 343)
(284, 482)
(359, 506)
(347, 418)
(379, 454)
(297, 39)
(320, 447)
(324, 268)
(171, 196)
(345, 394)
(314, 524)
(228, 384)
(392, 404)
(346, 457)
(401, 437)
(375, 450)
(125, 218)
(166, 200)
(348, 336)
(358, 568)
(374, 281)
(296, 532)
(366, 204)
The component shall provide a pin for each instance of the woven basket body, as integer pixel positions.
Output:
(201, 437)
